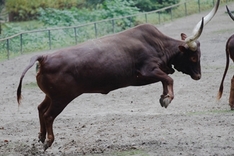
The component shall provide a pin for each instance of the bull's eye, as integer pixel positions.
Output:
(193, 59)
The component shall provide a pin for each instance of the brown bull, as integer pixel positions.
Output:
(229, 53)
(139, 56)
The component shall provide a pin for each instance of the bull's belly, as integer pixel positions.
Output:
(106, 87)
(70, 85)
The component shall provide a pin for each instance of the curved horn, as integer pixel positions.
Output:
(229, 13)
(191, 40)
(197, 28)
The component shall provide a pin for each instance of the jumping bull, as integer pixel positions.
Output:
(229, 53)
(138, 56)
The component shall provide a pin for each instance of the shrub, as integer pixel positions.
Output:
(119, 8)
(149, 5)
(75, 16)
(21, 10)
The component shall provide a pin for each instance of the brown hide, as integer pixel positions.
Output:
(135, 57)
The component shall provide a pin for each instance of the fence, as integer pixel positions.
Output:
(45, 39)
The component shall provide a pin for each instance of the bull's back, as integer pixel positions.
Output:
(87, 68)
(98, 65)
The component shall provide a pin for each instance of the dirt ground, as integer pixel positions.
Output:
(130, 121)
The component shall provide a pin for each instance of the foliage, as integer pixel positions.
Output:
(143, 5)
(93, 4)
(55, 17)
(116, 8)
(119, 8)
(21, 10)
(12, 28)
(149, 5)
(74, 16)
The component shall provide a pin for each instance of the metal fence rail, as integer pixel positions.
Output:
(44, 39)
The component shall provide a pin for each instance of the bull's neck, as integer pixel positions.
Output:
(172, 49)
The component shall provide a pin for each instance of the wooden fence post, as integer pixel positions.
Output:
(113, 26)
(146, 20)
(49, 39)
(95, 28)
(159, 18)
(171, 13)
(21, 43)
(8, 49)
(185, 8)
(75, 35)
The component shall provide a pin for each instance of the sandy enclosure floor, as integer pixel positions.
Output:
(130, 121)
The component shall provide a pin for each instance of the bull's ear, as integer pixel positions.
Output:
(183, 36)
(182, 49)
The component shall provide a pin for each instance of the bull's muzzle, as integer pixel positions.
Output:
(196, 77)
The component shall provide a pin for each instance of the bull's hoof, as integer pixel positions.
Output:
(46, 145)
(41, 138)
(165, 101)
(232, 107)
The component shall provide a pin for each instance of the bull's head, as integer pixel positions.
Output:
(188, 61)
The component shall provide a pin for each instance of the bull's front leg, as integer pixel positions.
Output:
(168, 93)
(167, 82)
(158, 75)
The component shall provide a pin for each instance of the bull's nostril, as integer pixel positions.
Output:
(197, 77)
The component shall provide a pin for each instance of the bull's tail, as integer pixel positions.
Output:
(32, 61)
(225, 72)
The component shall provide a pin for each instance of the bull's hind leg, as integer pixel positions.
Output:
(42, 108)
(52, 112)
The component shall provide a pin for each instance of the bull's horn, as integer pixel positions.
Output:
(208, 17)
(191, 40)
(229, 13)
(197, 29)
